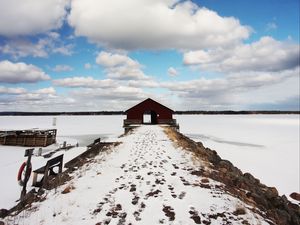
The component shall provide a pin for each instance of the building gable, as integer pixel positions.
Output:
(147, 102)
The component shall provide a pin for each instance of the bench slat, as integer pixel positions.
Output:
(57, 161)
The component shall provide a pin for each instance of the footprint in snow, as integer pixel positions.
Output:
(169, 212)
(132, 188)
(195, 215)
(182, 195)
(135, 200)
(136, 215)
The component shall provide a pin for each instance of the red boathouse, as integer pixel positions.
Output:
(158, 114)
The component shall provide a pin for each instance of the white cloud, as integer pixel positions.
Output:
(233, 82)
(47, 91)
(12, 91)
(21, 48)
(31, 16)
(20, 73)
(63, 49)
(172, 72)
(289, 103)
(150, 83)
(266, 54)
(271, 26)
(21, 99)
(49, 43)
(61, 68)
(116, 93)
(108, 59)
(226, 92)
(156, 24)
(85, 82)
(83, 99)
(36, 96)
(119, 66)
(87, 66)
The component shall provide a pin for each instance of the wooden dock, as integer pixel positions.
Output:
(30, 138)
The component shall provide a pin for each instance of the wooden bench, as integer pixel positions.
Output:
(47, 171)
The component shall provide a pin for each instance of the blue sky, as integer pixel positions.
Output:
(72, 55)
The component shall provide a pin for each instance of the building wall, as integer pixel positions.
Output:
(136, 113)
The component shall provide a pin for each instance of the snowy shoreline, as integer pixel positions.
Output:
(158, 176)
(279, 134)
(144, 180)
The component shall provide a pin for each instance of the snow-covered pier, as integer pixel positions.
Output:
(145, 180)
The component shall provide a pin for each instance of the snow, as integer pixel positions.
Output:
(267, 146)
(144, 180)
(72, 129)
(76, 127)
(14, 157)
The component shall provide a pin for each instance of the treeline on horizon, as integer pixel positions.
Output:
(190, 112)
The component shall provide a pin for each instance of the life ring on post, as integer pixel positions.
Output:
(21, 174)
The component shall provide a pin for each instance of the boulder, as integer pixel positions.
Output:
(225, 164)
(3, 213)
(250, 179)
(214, 158)
(282, 217)
(260, 200)
(295, 196)
(271, 193)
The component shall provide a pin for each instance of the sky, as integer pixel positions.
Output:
(96, 55)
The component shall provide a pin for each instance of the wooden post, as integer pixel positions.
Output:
(28, 153)
(45, 141)
(40, 151)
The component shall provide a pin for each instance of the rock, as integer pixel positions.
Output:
(296, 219)
(225, 164)
(241, 184)
(260, 200)
(239, 211)
(295, 196)
(223, 170)
(204, 180)
(271, 193)
(237, 172)
(214, 157)
(250, 178)
(68, 189)
(2, 223)
(283, 217)
(197, 172)
(3, 213)
(200, 144)
(41, 191)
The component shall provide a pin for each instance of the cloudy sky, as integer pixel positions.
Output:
(80, 55)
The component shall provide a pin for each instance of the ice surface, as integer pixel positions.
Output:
(265, 145)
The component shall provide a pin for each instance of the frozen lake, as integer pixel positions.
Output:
(265, 145)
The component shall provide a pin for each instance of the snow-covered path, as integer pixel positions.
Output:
(145, 180)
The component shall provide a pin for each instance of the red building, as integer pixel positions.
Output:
(158, 114)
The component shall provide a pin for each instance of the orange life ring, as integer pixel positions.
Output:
(21, 170)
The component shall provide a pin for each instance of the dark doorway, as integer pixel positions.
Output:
(150, 117)
(153, 117)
